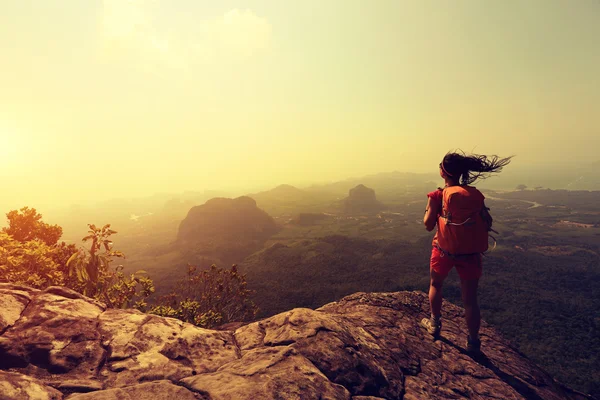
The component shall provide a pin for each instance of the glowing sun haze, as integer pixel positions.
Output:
(115, 98)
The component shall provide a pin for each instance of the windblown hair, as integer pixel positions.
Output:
(469, 168)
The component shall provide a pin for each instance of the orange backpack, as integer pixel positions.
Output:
(464, 222)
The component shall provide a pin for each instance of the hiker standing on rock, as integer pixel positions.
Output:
(463, 223)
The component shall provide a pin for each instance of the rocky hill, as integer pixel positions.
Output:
(362, 199)
(58, 344)
(226, 230)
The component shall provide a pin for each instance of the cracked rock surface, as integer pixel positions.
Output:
(58, 344)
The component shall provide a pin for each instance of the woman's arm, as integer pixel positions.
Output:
(431, 213)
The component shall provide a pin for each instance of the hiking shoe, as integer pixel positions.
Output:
(433, 326)
(473, 346)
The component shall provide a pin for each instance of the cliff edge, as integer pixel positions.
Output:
(58, 344)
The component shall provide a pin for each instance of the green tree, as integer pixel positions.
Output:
(97, 279)
(209, 297)
(32, 263)
(30, 253)
(26, 225)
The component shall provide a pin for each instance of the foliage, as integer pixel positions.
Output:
(97, 279)
(26, 225)
(209, 297)
(32, 263)
(31, 255)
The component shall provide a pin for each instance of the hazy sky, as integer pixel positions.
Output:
(111, 98)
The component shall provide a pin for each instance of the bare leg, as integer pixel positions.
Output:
(435, 293)
(472, 314)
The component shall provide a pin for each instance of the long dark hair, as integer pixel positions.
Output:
(469, 168)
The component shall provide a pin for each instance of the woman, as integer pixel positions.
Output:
(459, 171)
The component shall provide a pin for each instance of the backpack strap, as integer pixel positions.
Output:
(495, 242)
(465, 222)
(447, 254)
(486, 214)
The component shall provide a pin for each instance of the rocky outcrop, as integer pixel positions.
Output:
(225, 230)
(221, 215)
(362, 199)
(57, 344)
(18, 386)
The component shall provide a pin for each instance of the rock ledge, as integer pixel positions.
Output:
(57, 344)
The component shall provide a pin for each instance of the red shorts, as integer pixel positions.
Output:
(468, 267)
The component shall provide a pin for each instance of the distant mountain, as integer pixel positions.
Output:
(362, 199)
(281, 193)
(126, 215)
(388, 185)
(225, 230)
(583, 176)
(287, 200)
